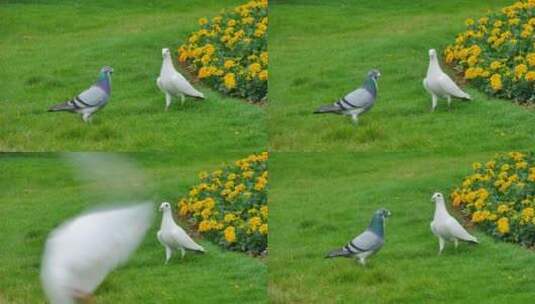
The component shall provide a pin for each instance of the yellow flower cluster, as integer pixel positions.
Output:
(229, 205)
(497, 52)
(500, 197)
(229, 52)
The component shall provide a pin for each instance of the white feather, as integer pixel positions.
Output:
(171, 82)
(172, 236)
(446, 227)
(81, 252)
(438, 83)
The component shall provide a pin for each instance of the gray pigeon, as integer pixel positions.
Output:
(90, 100)
(367, 243)
(357, 102)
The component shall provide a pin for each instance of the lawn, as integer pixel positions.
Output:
(51, 50)
(321, 50)
(40, 191)
(319, 201)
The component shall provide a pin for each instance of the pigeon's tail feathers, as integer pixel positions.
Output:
(64, 106)
(471, 239)
(331, 108)
(340, 252)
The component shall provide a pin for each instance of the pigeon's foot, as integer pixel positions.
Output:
(85, 298)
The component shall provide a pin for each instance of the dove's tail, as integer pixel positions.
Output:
(65, 106)
(341, 252)
(331, 108)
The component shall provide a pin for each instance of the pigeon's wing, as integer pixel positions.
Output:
(449, 86)
(92, 97)
(458, 231)
(80, 253)
(433, 228)
(358, 99)
(426, 86)
(366, 241)
(185, 241)
(182, 85)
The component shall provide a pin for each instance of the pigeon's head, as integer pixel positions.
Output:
(165, 206)
(374, 74)
(107, 70)
(166, 53)
(383, 213)
(437, 197)
(432, 53)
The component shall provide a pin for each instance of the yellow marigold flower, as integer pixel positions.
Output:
(530, 58)
(254, 68)
(183, 208)
(264, 211)
(204, 72)
(469, 21)
(496, 82)
(502, 208)
(530, 76)
(229, 64)
(209, 203)
(264, 57)
(495, 65)
(229, 217)
(503, 225)
(520, 70)
(231, 22)
(205, 226)
(528, 213)
(479, 216)
(206, 59)
(263, 75)
(229, 81)
(230, 234)
(254, 222)
(206, 213)
(263, 229)
(203, 21)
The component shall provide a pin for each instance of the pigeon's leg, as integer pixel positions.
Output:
(355, 119)
(449, 103)
(182, 99)
(168, 253)
(434, 102)
(167, 101)
(456, 242)
(362, 261)
(86, 116)
(441, 244)
(183, 252)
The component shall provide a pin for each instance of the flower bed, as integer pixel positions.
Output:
(500, 197)
(497, 52)
(229, 52)
(229, 205)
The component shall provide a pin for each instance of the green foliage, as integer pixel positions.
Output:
(229, 52)
(497, 52)
(229, 206)
(500, 197)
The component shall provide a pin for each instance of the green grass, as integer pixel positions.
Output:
(38, 192)
(52, 50)
(321, 50)
(319, 201)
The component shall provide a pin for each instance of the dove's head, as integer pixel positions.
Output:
(383, 213)
(106, 70)
(432, 54)
(165, 206)
(166, 53)
(374, 74)
(437, 197)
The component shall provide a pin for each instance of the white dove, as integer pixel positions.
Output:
(439, 84)
(445, 227)
(172, 236)
(172, 83)
(81, 252)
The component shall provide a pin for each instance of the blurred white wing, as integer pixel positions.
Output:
(81, 252)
